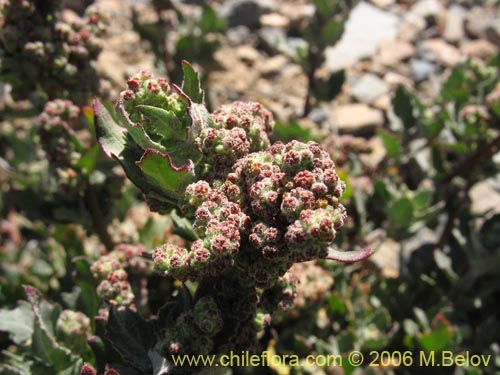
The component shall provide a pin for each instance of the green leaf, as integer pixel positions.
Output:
(132, 337)
(331, 32)
(436, 340)
(391, 143)
(290, 132)
(422, 199)
(158, 167)
(18, 322)
(209, 21)
(166, 123)
(191, 83)
(403, 107)
(115, 143)
(401, 213)
(111, 136)
(89, 160)
(455, 89)
(336, 306)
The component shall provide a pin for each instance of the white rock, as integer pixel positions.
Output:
(366, 27)
(454, 29)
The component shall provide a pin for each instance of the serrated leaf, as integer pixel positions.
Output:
(111, 136)
(18, 322)
(113, 140)
(132, 337)
(191, 83)
(158, 167)
(44, 345)
(166, 122)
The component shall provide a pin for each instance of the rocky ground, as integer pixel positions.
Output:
(386, 43)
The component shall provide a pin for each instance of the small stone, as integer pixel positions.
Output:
(368, 88)
(421, 69)
(477, 20)
(411, 27)
(272, 65)
(383, 102)
(318, 115)
(377, 154)
(273, 39)
(238, 35)
(480, 48)
(392, 52)
(454, 29)
(394, 80)
(356, 118)
(444, 53)
(382, 3)
(248, 54)
(274, 20)
(387, 258)
(485, 198)
(428, 9)
(493, 32)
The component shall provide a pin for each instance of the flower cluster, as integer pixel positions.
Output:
(237, 129)
(56, 55)
(113, 270)
(73, 328)
(57, 136)
(218, 222)
(194, 330)
(291, 193)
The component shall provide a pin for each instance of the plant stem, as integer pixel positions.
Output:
(97, 216)
(468, 164)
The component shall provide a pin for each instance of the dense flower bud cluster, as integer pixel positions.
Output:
(56, 55)
(112, 271)
(194, 330)
(146, 89)
(73, 328)
(218, 222)
(292, 196)
(238, 128)
(56, 132)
